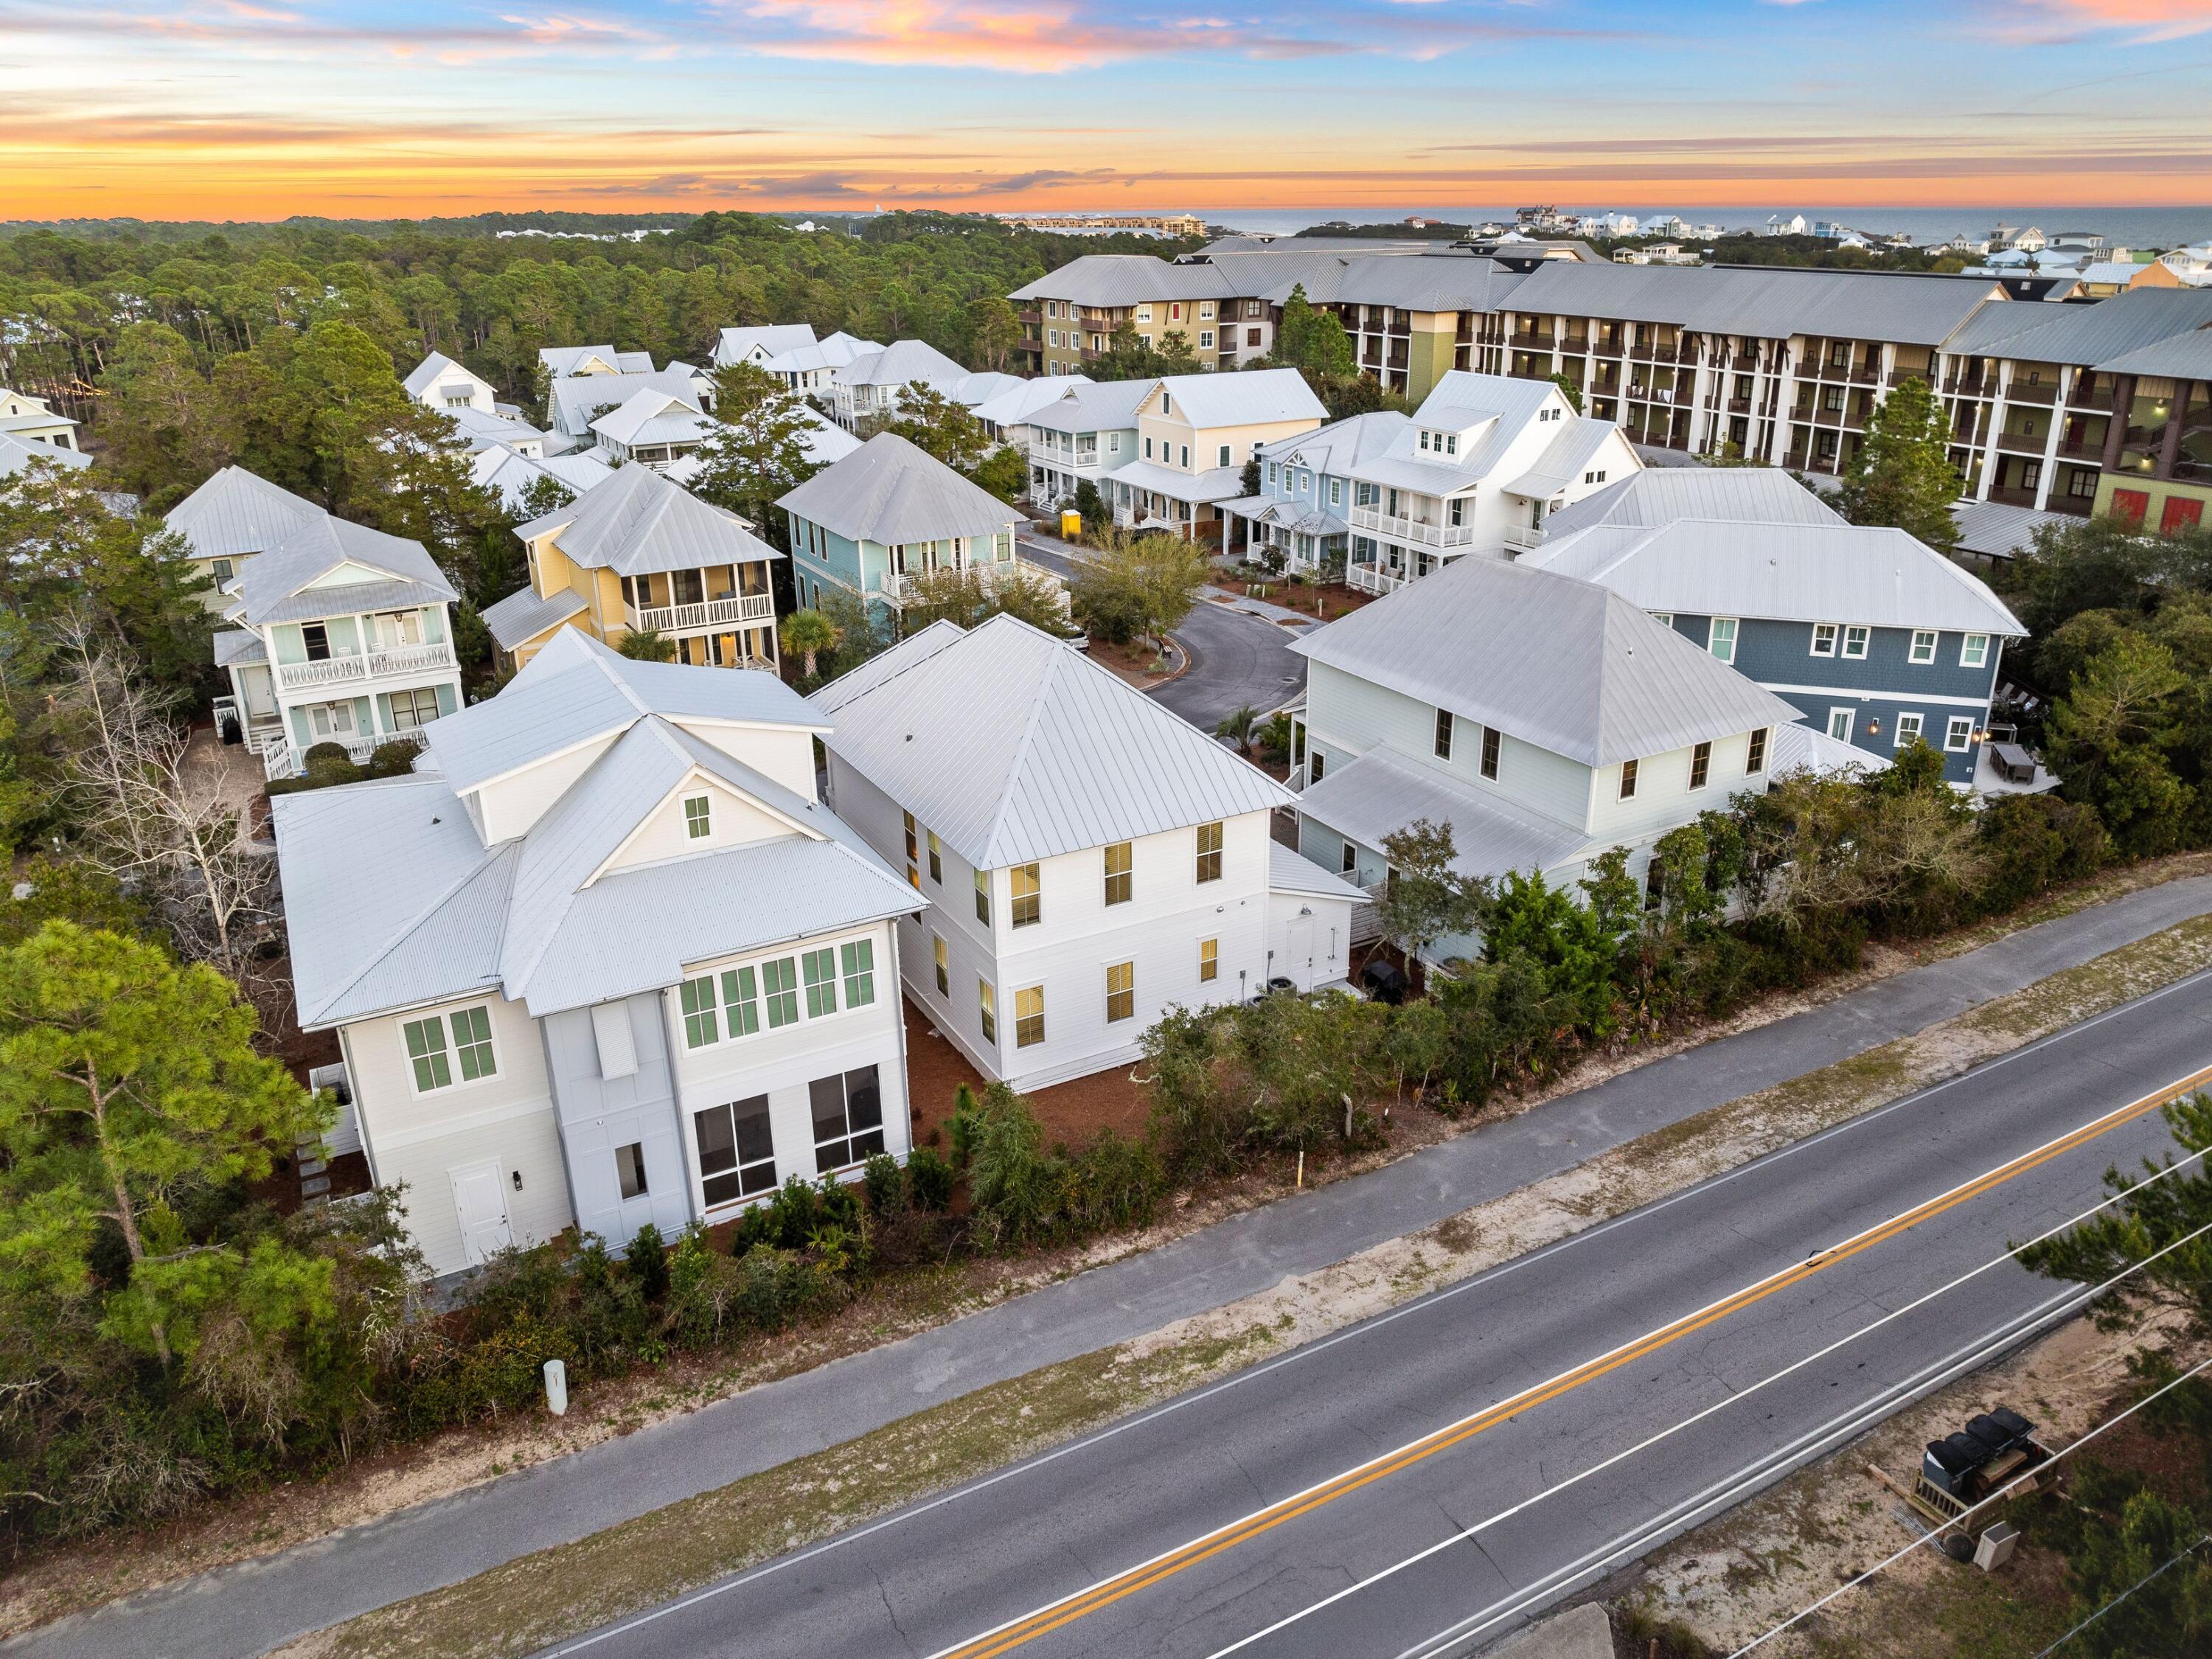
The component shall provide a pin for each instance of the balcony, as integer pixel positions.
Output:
(384, 663)
(1525, 536)
(1373, 579)
(736, 609)
(1412, 530)
(899, 589)
(2023, 443)
(2019, 392)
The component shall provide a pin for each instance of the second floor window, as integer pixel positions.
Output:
(1923, 646)
(1120, 879)
(1701, 765)
(698, 817)
(1491, 744)
(1209, 852)
(1029, 1016)
(821, 969)
(316, 639)
(1854, 641)
(986, 1007)
(936, 860)
(983, 897)
(1974, 651)
(1028, 896)
(912, 852)
(1444, 739)
(434, 1062)
(1824, 639)
(1628, 780)
(1720, 638)
(944, 967)
(1755, 757)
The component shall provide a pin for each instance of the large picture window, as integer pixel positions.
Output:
(737, 1153)
(848, 1118)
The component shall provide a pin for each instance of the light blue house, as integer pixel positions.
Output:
(888, 514)
(1306, 489)
(1872, 635)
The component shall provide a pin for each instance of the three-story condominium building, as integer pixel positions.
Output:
(1081, 436)
(1089, 859)
(603, 960)
(1474, 470)
(887, 516)
(1873, 637)
(1195, 433)
(343, 634)
(639, 552)
(1546, 720)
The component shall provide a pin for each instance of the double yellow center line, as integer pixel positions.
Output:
(1108, 1591)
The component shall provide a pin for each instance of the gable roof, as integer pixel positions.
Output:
(511, 473)
(1112, 280)
(579, 398)
(1243, 397)
(561, 362)
(1375, 794)
(1341, 445)
(17, 455)
(1761, 302)
(768, 338)
(889, 491)
(830, 351)
(439, 366)
(1657, 496)
(576, 690)
(277, 587)
(1836, 573)
(900, 362)
(1013, 746)
(2092, 334)
(1573, 446)
(638, 521)
(237, 512)
(1568, 665)
(2179, 356)
(523, 615)
(1094, 406)
(653, 415)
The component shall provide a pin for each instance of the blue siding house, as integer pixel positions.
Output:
(1306, 490)
(1875, 637)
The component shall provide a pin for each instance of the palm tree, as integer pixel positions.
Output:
(648, 645)
(805, 632)
(1242, 728)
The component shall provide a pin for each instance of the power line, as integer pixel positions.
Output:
(2121, 1597)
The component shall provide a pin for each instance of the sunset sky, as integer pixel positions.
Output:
(255, 109)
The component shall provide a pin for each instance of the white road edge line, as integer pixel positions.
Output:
(1466, 1532)
(1419, 1304)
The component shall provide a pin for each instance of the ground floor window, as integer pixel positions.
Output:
(1839, 724)
(737, 1153)
(1960, 736)
(848, 1118)
(1029, 1016)
(629, 1169)
(412, 708)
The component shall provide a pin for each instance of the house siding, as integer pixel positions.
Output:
(598, 1114)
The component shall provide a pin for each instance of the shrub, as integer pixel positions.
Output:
(1011, 1181)
(963, 1124)
(928, 1180)
(647, 1257)
(2037, 842)
(1196, 1122)
(1113, 1182)
(775, 1286)
(880, 1180)
(391, 760)
(702, 1291)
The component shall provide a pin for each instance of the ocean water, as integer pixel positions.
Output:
(2134, 227)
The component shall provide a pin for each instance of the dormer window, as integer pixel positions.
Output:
(1167, 402)
(1424, 438)
(1451, 443)
(698, 817)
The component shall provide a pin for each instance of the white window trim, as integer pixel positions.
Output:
(1912, 653)
(1901, 737)
(723, 1036)
(1850, 721)
(1832, 632)
(1866, 640)
(444, 1019)
(1712, 635)
(1957, 742)
(1967, 645)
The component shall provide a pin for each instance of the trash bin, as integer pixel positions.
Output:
(1070, 522)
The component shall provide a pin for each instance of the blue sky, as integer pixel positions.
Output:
(259, 108)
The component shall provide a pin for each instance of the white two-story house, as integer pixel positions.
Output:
(1088, 432)
(231, 519)
(603, 959)
(438, 382)
(1546, 720)
(1475, 471)
(33, 420)
(341, 635)
(1195, 433)
(1090, 860)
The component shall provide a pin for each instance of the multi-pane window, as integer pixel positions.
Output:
(1958, 736)
(936, 860)
(781, 979)
(1628, 780)
(1720, 637)
(1120, 992)
(737, 1152)
(944, 966)
(912, 852)
(698, 819)
(1840, 721)
(859, 973)
(1209, 960)
(1491, 744)
(1350, 860)
(472, 1047)
(1209, 852)
(986, 1003)
(413, 709)
(1029, 1016)
(983, 897)
(1029, 895)
(848, 1118)
(1855, 640)
(1443, 734)
(1701, 765)
(1974, 651)
(1120, 877)
(700, 1025)
(1824, 639)
(1908, 730)
(1923, 646)
(741, 1000)
(821, 970)
(1755, 757)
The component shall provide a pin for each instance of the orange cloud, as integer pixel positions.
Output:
(2145, 20)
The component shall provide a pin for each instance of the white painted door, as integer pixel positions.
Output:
(1299, 948)
(480, 1205)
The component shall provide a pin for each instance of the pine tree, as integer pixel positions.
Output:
(1902, 474)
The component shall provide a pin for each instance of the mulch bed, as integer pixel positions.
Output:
(1071, 1112)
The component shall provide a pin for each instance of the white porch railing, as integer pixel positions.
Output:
(899, 589)
(280, 758)
(1412, 530)
(1373, 579)
(381, 663)
(737, 610)
(1524, 536)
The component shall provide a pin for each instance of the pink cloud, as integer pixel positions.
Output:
(2143, 20)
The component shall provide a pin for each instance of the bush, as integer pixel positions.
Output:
(2037, 842)
(647, 1257)
(393, 760)
(775, 1286)
(1114, 1183)
(963, 1124)
(1012, 1182)
(881, 1181)
(928, 1181)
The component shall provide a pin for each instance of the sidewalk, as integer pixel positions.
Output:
(256, 1605)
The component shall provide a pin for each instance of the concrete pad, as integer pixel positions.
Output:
(1582, 1632)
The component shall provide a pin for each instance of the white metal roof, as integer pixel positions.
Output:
(899, 362)
(638, 521)
(1801, 748)
(1341, 445)
(1253, 397)
(1213, 484)
(1094, 406)
(888, 491)
(1112, 280)
(562, 362)
(1839, 572)
(511, 473)
(279, 584)
(1567, 665)
(522, 616)
(236, 512)
(1013, 405)
(768, 339)
(1380, 793)
(17, 454)
(438, 366)
(1656, 495)
(1290, 871)
(1013, 746)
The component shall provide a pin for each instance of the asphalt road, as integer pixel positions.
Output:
(939, 1578)
(1236, 658)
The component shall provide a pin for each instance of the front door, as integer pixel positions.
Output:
(1297, 952)
(480, 1205)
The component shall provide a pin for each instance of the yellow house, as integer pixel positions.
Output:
(638, 553)
(1195, 435)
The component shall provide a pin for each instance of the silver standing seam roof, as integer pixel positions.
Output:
(900, 362)
(1013, 746)
(1095, 406)
(236, 512)
(637, 522)
(1114, 280)
(1836, 573)
(1996, 531)
(275, 587)
(18, 454)
(1760, 301)
(1658, 495)
(1566, 665)
(2095, 335)
(889, 491)
(434, 367)
(1341, 445)
(522, 616)
(1377, 794)
(1290, 871)
(1252, 397)
(526, 917)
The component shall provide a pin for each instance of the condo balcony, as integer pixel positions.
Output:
(387, 662)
